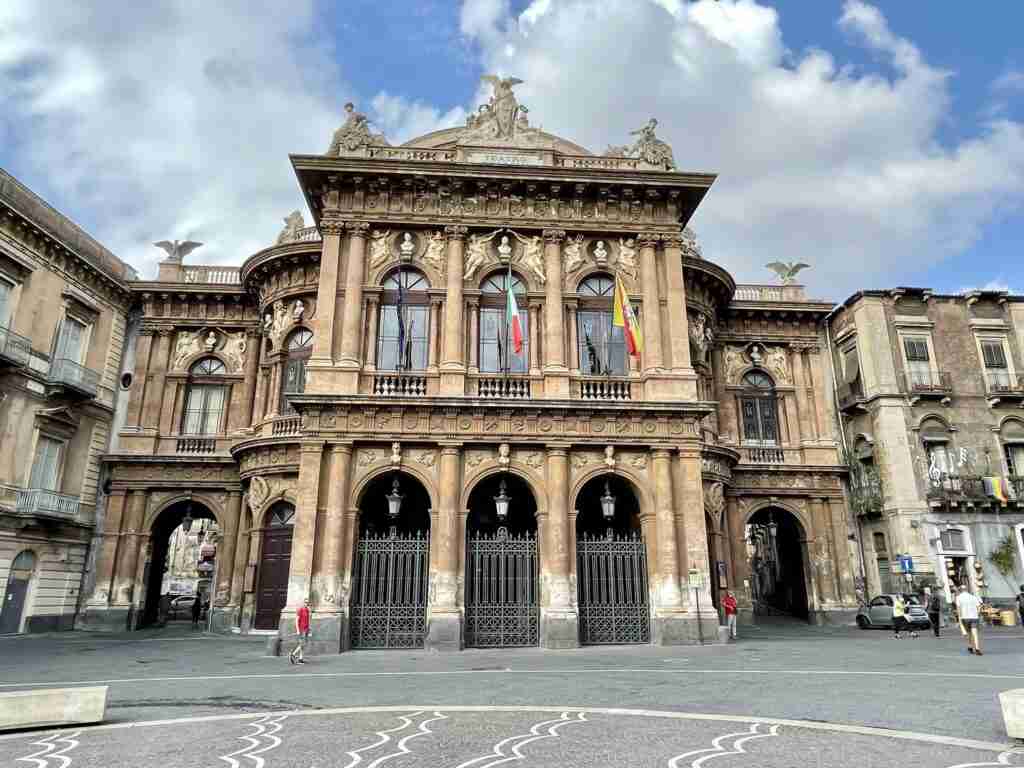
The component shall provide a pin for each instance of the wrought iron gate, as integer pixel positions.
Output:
(389, 591)
(502, 601)
(611, 574)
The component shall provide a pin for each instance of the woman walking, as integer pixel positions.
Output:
(899, 616)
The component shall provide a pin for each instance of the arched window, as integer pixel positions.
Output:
(497, 350)
(404, 332)
(298, 347)
(602, 346)
(205, 399)
(758, 407)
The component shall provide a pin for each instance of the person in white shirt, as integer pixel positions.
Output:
(968, 608)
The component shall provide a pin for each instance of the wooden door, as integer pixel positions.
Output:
(272, 587)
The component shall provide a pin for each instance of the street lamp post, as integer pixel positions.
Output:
(608, 509)
(695, 582)
(501, 501)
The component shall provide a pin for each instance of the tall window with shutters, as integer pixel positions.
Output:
(206, 398)
(997, 372)
(404, 326)
(602, 346)
(71, 340)
(46, 464)
(759, 409)
(919, 367)
(495, 356)
(1014, 453)
(298, 347)
(6, 296)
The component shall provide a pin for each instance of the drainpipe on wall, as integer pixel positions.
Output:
(858, 533)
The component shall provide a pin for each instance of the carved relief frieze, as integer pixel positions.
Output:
(714, 502)
(797, 481)
(159, 474)
(772, 358)
(266, 489)
(269, 458)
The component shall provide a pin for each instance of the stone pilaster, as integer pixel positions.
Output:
(453, 367)
(327, 293)
(372, 324)
(444, 623)
(352, 310)
(252, 362)
(238, 571)
(679, 322)
(559, 620)
(670, 625)
(435, 334)
(143, 349)
(128, 551)
(556, 375)
(329, 598)
(300, 573)
(156, 379)
(700, 608)
(221, 612)
(653, 360)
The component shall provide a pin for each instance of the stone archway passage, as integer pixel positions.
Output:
(275, 562)
(390, 571)
(502, 567)
(611, 566)
(777, 566)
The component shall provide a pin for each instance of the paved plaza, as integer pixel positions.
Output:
(827, 697)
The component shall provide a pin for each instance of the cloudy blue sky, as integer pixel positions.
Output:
(882, 143)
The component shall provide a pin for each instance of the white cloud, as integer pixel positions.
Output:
(401, 120)
(818, 162)
(156, 123)
(1010, 80)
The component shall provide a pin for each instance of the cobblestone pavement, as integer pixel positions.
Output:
(785, 695)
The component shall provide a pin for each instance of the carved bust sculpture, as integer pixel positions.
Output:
(600, 253)
(211, 341)
(407, 247)
(298, 309)
(268, 322)
(504, 249)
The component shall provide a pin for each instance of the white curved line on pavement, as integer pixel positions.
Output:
(60, 754)
(1001, 760)
(276, 725)
(498, 749)
(384, 739)
(737, 746)
(551, 734)
(47, 748)
(421, 731)
(252, 738)
(715, 748)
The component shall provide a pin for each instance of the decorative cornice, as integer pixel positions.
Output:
(649, 239)
(331, 226)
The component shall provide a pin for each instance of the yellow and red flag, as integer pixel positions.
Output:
(624, 317)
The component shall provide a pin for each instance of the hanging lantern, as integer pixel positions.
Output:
(394, 499)
(501, 501)
(607, 503)
(186, 521)
(773, 527)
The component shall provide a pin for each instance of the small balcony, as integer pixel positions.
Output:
(970, 490)
(197, 445)
(287, 426)
(764, 454)
(399, 385)
(851, 396)
(211, 275)
(14, 348)
(866, 492)
(503, 388)
(601, 388)
(40, 502)
(929, 385)
(1004, 387)
(71, 379)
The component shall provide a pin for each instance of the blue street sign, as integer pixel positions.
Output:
(906, 563)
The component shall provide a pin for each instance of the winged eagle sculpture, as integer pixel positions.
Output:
(787, 272)
(176, 250)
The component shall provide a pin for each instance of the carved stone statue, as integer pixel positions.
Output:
(734, 363)
(627, 256)
(354, 134)
(396, 454)
(787, 272)
(298, 310)
(600, 254)
(268, 323)
(504, 453)
(691, 248)
(504, 250)
(408, 247)
(503, 121)
(532, 257)
(379, 247)
(176, 251)
(293, 223)
(280, 317)
(234, 350)
(698, 335)
(186, 346)
(648, 147)
(573, 254)
(776, 361)
(609, 456)
(477, 253)
(211, 341)
(435, 253)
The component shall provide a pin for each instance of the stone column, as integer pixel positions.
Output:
(652, 358)
(156, 379)
(435, 333)
(679, 333)
(143, 348)
(444, 627)
(128, 552)
(803, 409)
(327, 292)
(252, 360)
(247, 610)
(107, 557)
(556, 375)
(820, 396)
(669, 619)
(474, 335)
(740, 563)
(221, 613)
(453, 343)
(352, 310)
(534, 339)
(330, 620)
(559, 621)
(837, 511)
(238, 571)
(372, 323)
(689, 476)
(574, 346)
(300, 573)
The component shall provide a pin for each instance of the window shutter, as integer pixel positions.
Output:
(750, 423)
(5, 298)
(992, 352)
(769, 425)
(916, 350)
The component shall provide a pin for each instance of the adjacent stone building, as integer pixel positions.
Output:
(64, 303)
(352, 408)
(931, 388)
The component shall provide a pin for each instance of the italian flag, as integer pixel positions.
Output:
(515, 328)
(624, 317)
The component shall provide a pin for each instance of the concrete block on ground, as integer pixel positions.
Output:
(1013, 712)
(47, 707)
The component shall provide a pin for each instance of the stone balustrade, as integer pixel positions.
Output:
(287, 425)
(196, 445)
(604, 389)
(211, 275)
(503, 387)
(39, 501)
(399, 385)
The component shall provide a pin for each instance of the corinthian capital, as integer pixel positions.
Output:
(650, 239)
(456, 232)
(553, 235)
(331, 226)
(357, 228)
(672, 240)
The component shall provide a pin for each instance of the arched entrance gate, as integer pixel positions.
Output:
(392, 558)
(611, 565)
(502, 565)
(777, 543)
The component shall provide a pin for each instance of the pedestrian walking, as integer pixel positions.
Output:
(899, 616)
(197, 610)
(933, 604)
(730, 605)
(968, 607)
(302, 630)
(1020, 603)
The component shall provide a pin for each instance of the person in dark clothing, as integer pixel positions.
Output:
(933, 604)
(197, 610)
(1020, 603)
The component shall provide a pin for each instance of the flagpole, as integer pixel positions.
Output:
(508, 320)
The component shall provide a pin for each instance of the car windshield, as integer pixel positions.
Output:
(911, 600)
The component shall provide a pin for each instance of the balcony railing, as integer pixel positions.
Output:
(399, 385)
(866, 491)
(37, 501)
(765, 455)
(605, 389)
(1004, 385)
(769, 293)
(69, 374)
(851, 395)
(197, 445)
(924, 384)
(14, 348)
(501, 387)
(288, 425)
(212, 275)
(970, 488)
(1017, 482)
(308, 233)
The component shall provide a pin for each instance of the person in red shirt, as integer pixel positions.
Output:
(729, 603)
(302, 630)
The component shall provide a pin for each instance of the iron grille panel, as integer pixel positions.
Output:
(611, 577)
(389, 592)
(502, 592)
